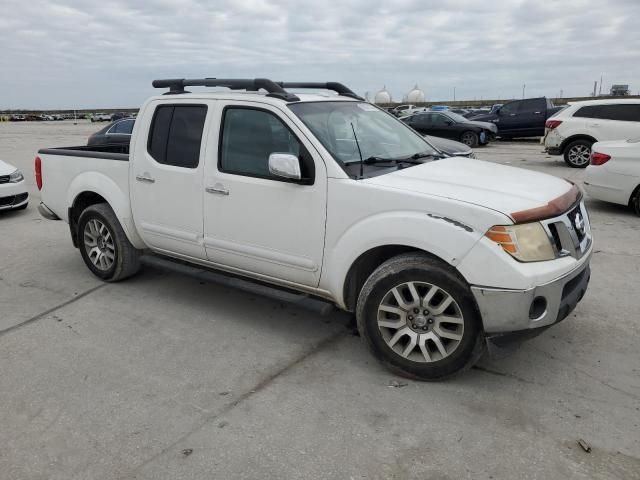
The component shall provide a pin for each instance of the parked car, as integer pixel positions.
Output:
(614, 173)
(116, 132)
(521, 118)
(400, 109)
(460, 111)
(13, 189)
(279, 188)
(572, 131)
(119, 116)
(100, 117)
(451, 147)
(453, 126)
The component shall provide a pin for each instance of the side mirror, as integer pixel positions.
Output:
(497, 112)
(449, 122)
(285, 165)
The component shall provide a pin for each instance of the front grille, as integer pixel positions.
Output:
(5, 178)
(570, 233)
(4, 201)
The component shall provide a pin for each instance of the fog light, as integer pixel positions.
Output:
(538, 308)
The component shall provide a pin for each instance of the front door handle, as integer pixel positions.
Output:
(217, 190)
(145, 178)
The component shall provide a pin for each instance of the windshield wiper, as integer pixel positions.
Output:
(418, 155)
(413, 159)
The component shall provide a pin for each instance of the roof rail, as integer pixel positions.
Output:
(176, 86)
(274, 89)
(339, 88)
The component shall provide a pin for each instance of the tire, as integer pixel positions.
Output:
(578, 153)
(635, 201)
(104, 247)
(469, 138)
(390, 343)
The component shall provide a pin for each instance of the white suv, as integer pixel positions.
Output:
(573, 130)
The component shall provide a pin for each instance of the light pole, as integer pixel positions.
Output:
(454, 94)
(523, 87)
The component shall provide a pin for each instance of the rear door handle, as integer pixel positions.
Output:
(217, 190)
(145, 178)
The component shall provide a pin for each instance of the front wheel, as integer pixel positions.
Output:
(419, 318)
(104, 246)
(470, 139)
(578, 154)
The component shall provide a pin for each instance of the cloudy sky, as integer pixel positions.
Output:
(92, 54)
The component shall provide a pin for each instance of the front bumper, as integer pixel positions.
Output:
(9, 202)
(523, 313)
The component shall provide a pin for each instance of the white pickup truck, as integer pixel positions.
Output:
(331, 196)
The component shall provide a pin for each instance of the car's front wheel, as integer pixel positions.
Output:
(469, 138)
(578, 153)
(419, 318)
(104, 246)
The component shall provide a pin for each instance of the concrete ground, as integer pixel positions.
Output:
(170, 376)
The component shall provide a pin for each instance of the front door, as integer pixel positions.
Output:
(255, 222)
(167, 176)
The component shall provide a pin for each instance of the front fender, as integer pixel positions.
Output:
(117, 199)
(444, 237)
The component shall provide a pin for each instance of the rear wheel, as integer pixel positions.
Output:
(419, 318)
(578, 153)
(104, 246)
(469, 138)
(635, 203)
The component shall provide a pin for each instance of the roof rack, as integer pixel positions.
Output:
(339, 88)
(274, 89)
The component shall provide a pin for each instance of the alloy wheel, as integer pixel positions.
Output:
(420, 322)
(99, 245)
(579, 155)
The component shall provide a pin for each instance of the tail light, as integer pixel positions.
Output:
(598, 158)
(551, 124)
(39, 173)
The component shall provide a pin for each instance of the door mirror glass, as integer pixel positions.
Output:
(285, 165)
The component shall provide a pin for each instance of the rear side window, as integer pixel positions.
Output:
(249, 136)
(621, 112)
(176, 134)
(126, 127)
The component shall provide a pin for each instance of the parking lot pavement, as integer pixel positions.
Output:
(168, 376)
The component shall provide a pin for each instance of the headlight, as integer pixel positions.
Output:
(527, 242)
(16, 177)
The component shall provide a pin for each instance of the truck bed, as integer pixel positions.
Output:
(113, 151)
(67, 170)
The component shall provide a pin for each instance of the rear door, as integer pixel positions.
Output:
(254, 222)
(618, 121)
(166, 176)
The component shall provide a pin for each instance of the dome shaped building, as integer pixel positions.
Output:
(383, 96)
(416, 95)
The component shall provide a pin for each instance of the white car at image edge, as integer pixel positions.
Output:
(13, 189)
(614, 173)
(573, 130)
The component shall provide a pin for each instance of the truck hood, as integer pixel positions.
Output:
(6, 169)
(498, 187)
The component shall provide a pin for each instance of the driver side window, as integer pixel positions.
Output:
(509, 108)
(248, 137)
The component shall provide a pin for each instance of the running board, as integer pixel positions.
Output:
(211, 276)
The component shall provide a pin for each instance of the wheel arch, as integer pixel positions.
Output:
(102, 190)
(573, 138)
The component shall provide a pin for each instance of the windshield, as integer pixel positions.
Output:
(378, 134)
